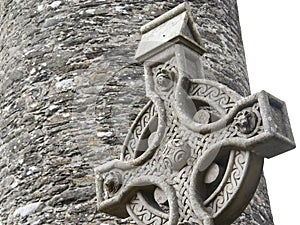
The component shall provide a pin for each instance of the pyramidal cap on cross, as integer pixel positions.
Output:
(194, 154)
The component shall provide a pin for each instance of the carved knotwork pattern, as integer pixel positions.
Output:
(181, 149)
(183, 183)
(198, 145)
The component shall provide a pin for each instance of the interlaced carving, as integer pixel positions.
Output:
(195, 147)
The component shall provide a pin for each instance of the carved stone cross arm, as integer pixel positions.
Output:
(194, 154)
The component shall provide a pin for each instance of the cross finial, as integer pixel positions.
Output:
(175, 26)
(194, 154)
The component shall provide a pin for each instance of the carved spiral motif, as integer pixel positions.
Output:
(232, 183)
(134, 135)
(213, 93)
(142, 213)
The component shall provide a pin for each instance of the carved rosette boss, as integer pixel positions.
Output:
(194, 154)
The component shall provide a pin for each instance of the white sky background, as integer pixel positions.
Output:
(271, 35)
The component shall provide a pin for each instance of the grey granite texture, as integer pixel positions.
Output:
(69, 90)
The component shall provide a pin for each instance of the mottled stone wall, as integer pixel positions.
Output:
(70, 88)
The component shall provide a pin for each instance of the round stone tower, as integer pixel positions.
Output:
(69, 90)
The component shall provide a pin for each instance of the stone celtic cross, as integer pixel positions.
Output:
(194, 154)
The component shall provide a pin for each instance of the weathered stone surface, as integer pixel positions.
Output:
(70, 88)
